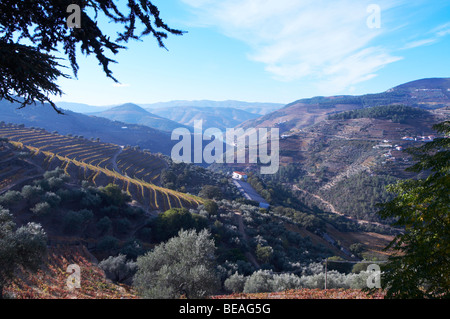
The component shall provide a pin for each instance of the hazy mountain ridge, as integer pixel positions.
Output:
(134, 114)
(260, 108)
(251, 107)
(217, 117)
(430, 93)
(43, 116)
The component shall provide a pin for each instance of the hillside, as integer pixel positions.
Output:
(105, 199)
(50, 281)
(344, 162)
(136, 172)
(259, 108)
(76, 174)
(212, 117)
(43, 116)
(133, 114)
(424, 93)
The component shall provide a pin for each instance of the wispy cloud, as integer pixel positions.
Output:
(433, 36)
(419, 43)
(442, 30)
(327, 40)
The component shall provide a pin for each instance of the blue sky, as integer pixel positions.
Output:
(273, 51)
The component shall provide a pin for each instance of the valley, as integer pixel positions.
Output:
(103, 184)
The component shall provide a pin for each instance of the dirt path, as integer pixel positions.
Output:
(114, 160)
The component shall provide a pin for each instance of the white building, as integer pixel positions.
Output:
(240, 176)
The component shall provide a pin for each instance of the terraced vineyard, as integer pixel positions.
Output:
(101, 163)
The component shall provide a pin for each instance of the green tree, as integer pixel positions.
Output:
(420, 268)
(169, 223)
(113, 195)
(30, 72)
(211, 192)
(104, 224)
(211, 207)
(22, 247)
(264, 253)
(184, 265)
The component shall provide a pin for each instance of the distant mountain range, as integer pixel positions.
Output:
(217, 117)
(171, 115)
(43, 116)
(259, 108)
(430, 93)
(149, 125)
(134, 114)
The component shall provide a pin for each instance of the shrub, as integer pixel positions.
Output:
(113, 195)
(169, 223)
(41, 209)
(104, 224)
(108, 243)
(52, 199)
(122, 225)
(72, 223)
(264, 253)
(211, 192)
(132, 249)
(118, 268)
(184, 265)
(259, 281)
(211, 207)
(30, 192)
(235, 283)
(10, 197)
(283, 282)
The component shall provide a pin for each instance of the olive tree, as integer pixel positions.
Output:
(22, 247)
(184, 265)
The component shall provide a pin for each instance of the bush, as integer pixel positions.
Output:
(72, 223)
(104, 224)
(283, 282)
(52, 198)
(41, 209)
(169, 223)
(108, 243)
(10, 197)
(122, 226)
(184, 265)
(132, 249)
(118, 268)
(235, 283)
(110, 211)
(145, 234)
(211, 207)
(211, 192)
(259, 281)
(113, 195)
(264, 253)
(30, 192)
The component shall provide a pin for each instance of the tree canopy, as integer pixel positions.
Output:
(23, 247)
(184, 265)
(31, 31)
(421, 267)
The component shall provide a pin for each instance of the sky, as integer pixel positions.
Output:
(272, 51)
